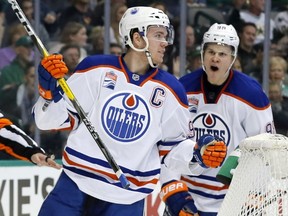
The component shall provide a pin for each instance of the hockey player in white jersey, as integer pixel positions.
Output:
(15, 142)
(222, 102)
(141, 114)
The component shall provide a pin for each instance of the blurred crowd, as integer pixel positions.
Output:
(75, 28)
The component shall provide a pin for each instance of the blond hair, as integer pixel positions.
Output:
(278, 60)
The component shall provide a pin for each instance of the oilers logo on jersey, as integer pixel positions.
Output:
(211, 123)
(125, 117)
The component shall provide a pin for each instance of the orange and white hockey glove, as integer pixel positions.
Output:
(51, 68)
(209, 151)
(177, 199)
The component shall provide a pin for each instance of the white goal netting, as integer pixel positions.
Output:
(260, 183)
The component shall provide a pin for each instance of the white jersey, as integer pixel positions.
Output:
(240, 110)
(138, 117)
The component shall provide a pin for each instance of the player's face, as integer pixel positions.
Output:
(217, 59)
(157, 37)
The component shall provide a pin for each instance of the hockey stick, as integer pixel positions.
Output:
(62, 82)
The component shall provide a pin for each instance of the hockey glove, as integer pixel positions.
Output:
(209, 151)
(51, 68)
(177, 199)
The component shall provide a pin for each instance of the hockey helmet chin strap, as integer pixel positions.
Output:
(147, 52)
(148, 55)
(229, 68)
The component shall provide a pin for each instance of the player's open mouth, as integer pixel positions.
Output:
(214, 68)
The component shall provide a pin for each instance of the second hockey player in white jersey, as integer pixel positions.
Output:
(222, 102)
(141, 114)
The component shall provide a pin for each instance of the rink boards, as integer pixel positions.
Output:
(23, 187)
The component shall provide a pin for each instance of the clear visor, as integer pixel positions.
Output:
(161, 33)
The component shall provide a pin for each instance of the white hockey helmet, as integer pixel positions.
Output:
(141, 18)
(222, 34)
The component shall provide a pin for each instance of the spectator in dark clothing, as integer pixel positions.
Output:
(233, 13)
(99, 11)
(246, 50)
(28, 8)
(279, 107)
(26, 98)
(79, 12)
(257, 64)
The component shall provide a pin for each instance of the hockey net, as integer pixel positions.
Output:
(260, 182)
